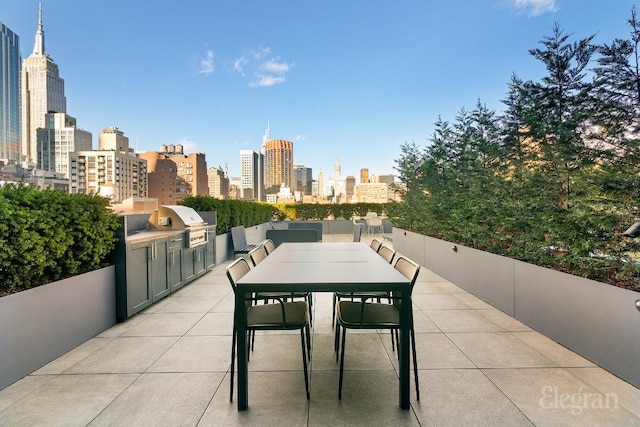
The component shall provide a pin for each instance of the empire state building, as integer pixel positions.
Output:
(42, 92)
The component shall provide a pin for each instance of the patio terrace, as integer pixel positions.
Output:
(169, 365)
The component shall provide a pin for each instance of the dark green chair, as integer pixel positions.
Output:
(278, 316)
(364, 314)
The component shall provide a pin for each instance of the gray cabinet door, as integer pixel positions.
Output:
(210, 250)
(158, 269)
(174, 259)
(139, 293)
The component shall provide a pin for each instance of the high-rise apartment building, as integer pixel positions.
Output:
(364, 176)
(251, 175)
(113, 167)
(218, 183)
(42, 92)
(175, 175)
(10, 142)
(278, 165)
(303, 180)
(192, 172)
(320, 187)
(57, 139)
(383, 179)
(162, 177)
(371, 193)
(350, 184)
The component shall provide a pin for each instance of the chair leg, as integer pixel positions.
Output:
(336, 344)
(344, 336)
(233, 360)
(333, 312)
(304, 363)
(308, 332)
(415, 363)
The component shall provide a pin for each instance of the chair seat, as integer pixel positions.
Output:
(372, 294)
(367, 316)
(245, 249)
(270, 295)
(269, 316)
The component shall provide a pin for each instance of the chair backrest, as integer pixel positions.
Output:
(374, 221)
(357, 232)
(281, 236)
(375, 244)
(371, 214)
(236, 270)
(269, 246)
(238, 237)
(387, 253)
(257, 254)
(407, 267)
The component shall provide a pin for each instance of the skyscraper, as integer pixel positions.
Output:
(303, 179)
(113, 166)
(252, 175)
(42, 92)
(364, 176)
(9, 95)
(218, 183)
(56, 139)
(278, 165)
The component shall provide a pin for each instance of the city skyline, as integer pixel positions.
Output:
(355, 80)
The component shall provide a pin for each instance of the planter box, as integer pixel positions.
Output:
(596, 320)
(40, 324)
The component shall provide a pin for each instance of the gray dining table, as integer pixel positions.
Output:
(323, 267)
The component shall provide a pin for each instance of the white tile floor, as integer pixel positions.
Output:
(169, 365)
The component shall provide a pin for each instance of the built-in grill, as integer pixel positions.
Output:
(175, 217)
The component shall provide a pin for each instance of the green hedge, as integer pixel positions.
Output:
(316, 211)
(232, 213)
(47, 235)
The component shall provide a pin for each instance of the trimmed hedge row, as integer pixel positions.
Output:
(232, 213)
(47, 235)
(315, 211)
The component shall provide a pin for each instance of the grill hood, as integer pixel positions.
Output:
(175, 217)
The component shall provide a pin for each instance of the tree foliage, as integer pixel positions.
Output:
(553, 179)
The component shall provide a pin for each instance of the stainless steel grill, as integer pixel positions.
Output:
(174, 217)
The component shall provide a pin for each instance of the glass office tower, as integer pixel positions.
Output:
(9, 96)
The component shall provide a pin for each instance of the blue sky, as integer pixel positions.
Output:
(351, 78)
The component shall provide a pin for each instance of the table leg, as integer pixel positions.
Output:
(241, 342)
(404, 348)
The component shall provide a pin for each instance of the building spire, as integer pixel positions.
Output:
(38, 48)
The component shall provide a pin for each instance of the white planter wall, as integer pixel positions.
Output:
(596, 320)
(40, 324)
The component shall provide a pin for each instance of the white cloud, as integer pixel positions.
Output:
(266, 68)
(207, 65)
(240, 63)
(272, 66)
(536, 7)
(188, 147)
(264, 81)
(261, 52)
